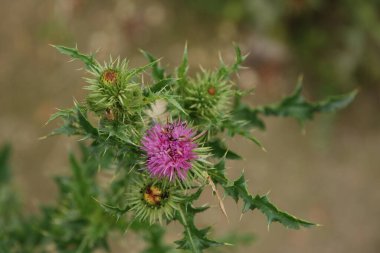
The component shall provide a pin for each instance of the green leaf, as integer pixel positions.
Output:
(85, 124)
(297, 107)
(158, 73)
(4, 164)
(294, 106)
(238, 190)
(184, 67)
(252, 138)
(338, 102)
(88, 60)
(217, 173)
(239, 127)
(113, 210)
(239, 58)
(140, 70)
(80, 189)
(251, 116)
(219, 149)
(273, 214)
(194, 239)
(161, 85)
(70, 123)
(175, 103)
(225, 71)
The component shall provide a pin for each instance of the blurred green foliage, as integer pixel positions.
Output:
(334, 43)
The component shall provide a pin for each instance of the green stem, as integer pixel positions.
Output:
(186, 226)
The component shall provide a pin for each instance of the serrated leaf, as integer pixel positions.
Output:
(219, 149)
(161, 85)
(294, 106)
(194, 239)
(297, 107)
(140, 70)
(225, 71)
(194, 196)
(75, 122)
(251, 116)
(240, 128)
(273, 214)
(334, 103)
(74, 53)
(158, 73)
(217, 173)
(239, 58)
(113, 210)
(253, 139)
(85, 124)
(184, 66)
(80, 188)
(238, 190)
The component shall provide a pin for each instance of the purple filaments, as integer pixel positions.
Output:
(170, 150)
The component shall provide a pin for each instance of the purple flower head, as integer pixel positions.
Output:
(170, 149)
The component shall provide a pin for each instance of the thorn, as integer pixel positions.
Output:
(221, 204)
(199, 135)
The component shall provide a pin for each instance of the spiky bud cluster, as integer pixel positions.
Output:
(208, 98)
(153, 201)
(115, 91)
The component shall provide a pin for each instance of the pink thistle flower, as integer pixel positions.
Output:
(170, 150)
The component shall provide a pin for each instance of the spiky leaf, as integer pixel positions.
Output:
(85, 124)
(162, 84)
(294, 106)
(273, 214)
(238, 190)
(220, 150)
(172, 101)
(184, 67)
(158, 73)
(194, 239)
(74, 53)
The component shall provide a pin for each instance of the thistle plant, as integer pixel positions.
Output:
(161, 165)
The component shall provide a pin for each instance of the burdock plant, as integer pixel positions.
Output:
(161, 165)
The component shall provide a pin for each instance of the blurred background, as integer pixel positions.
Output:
(329, 174)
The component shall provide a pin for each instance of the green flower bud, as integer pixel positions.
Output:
(153, 201)
(115, 88)
(208, 99)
